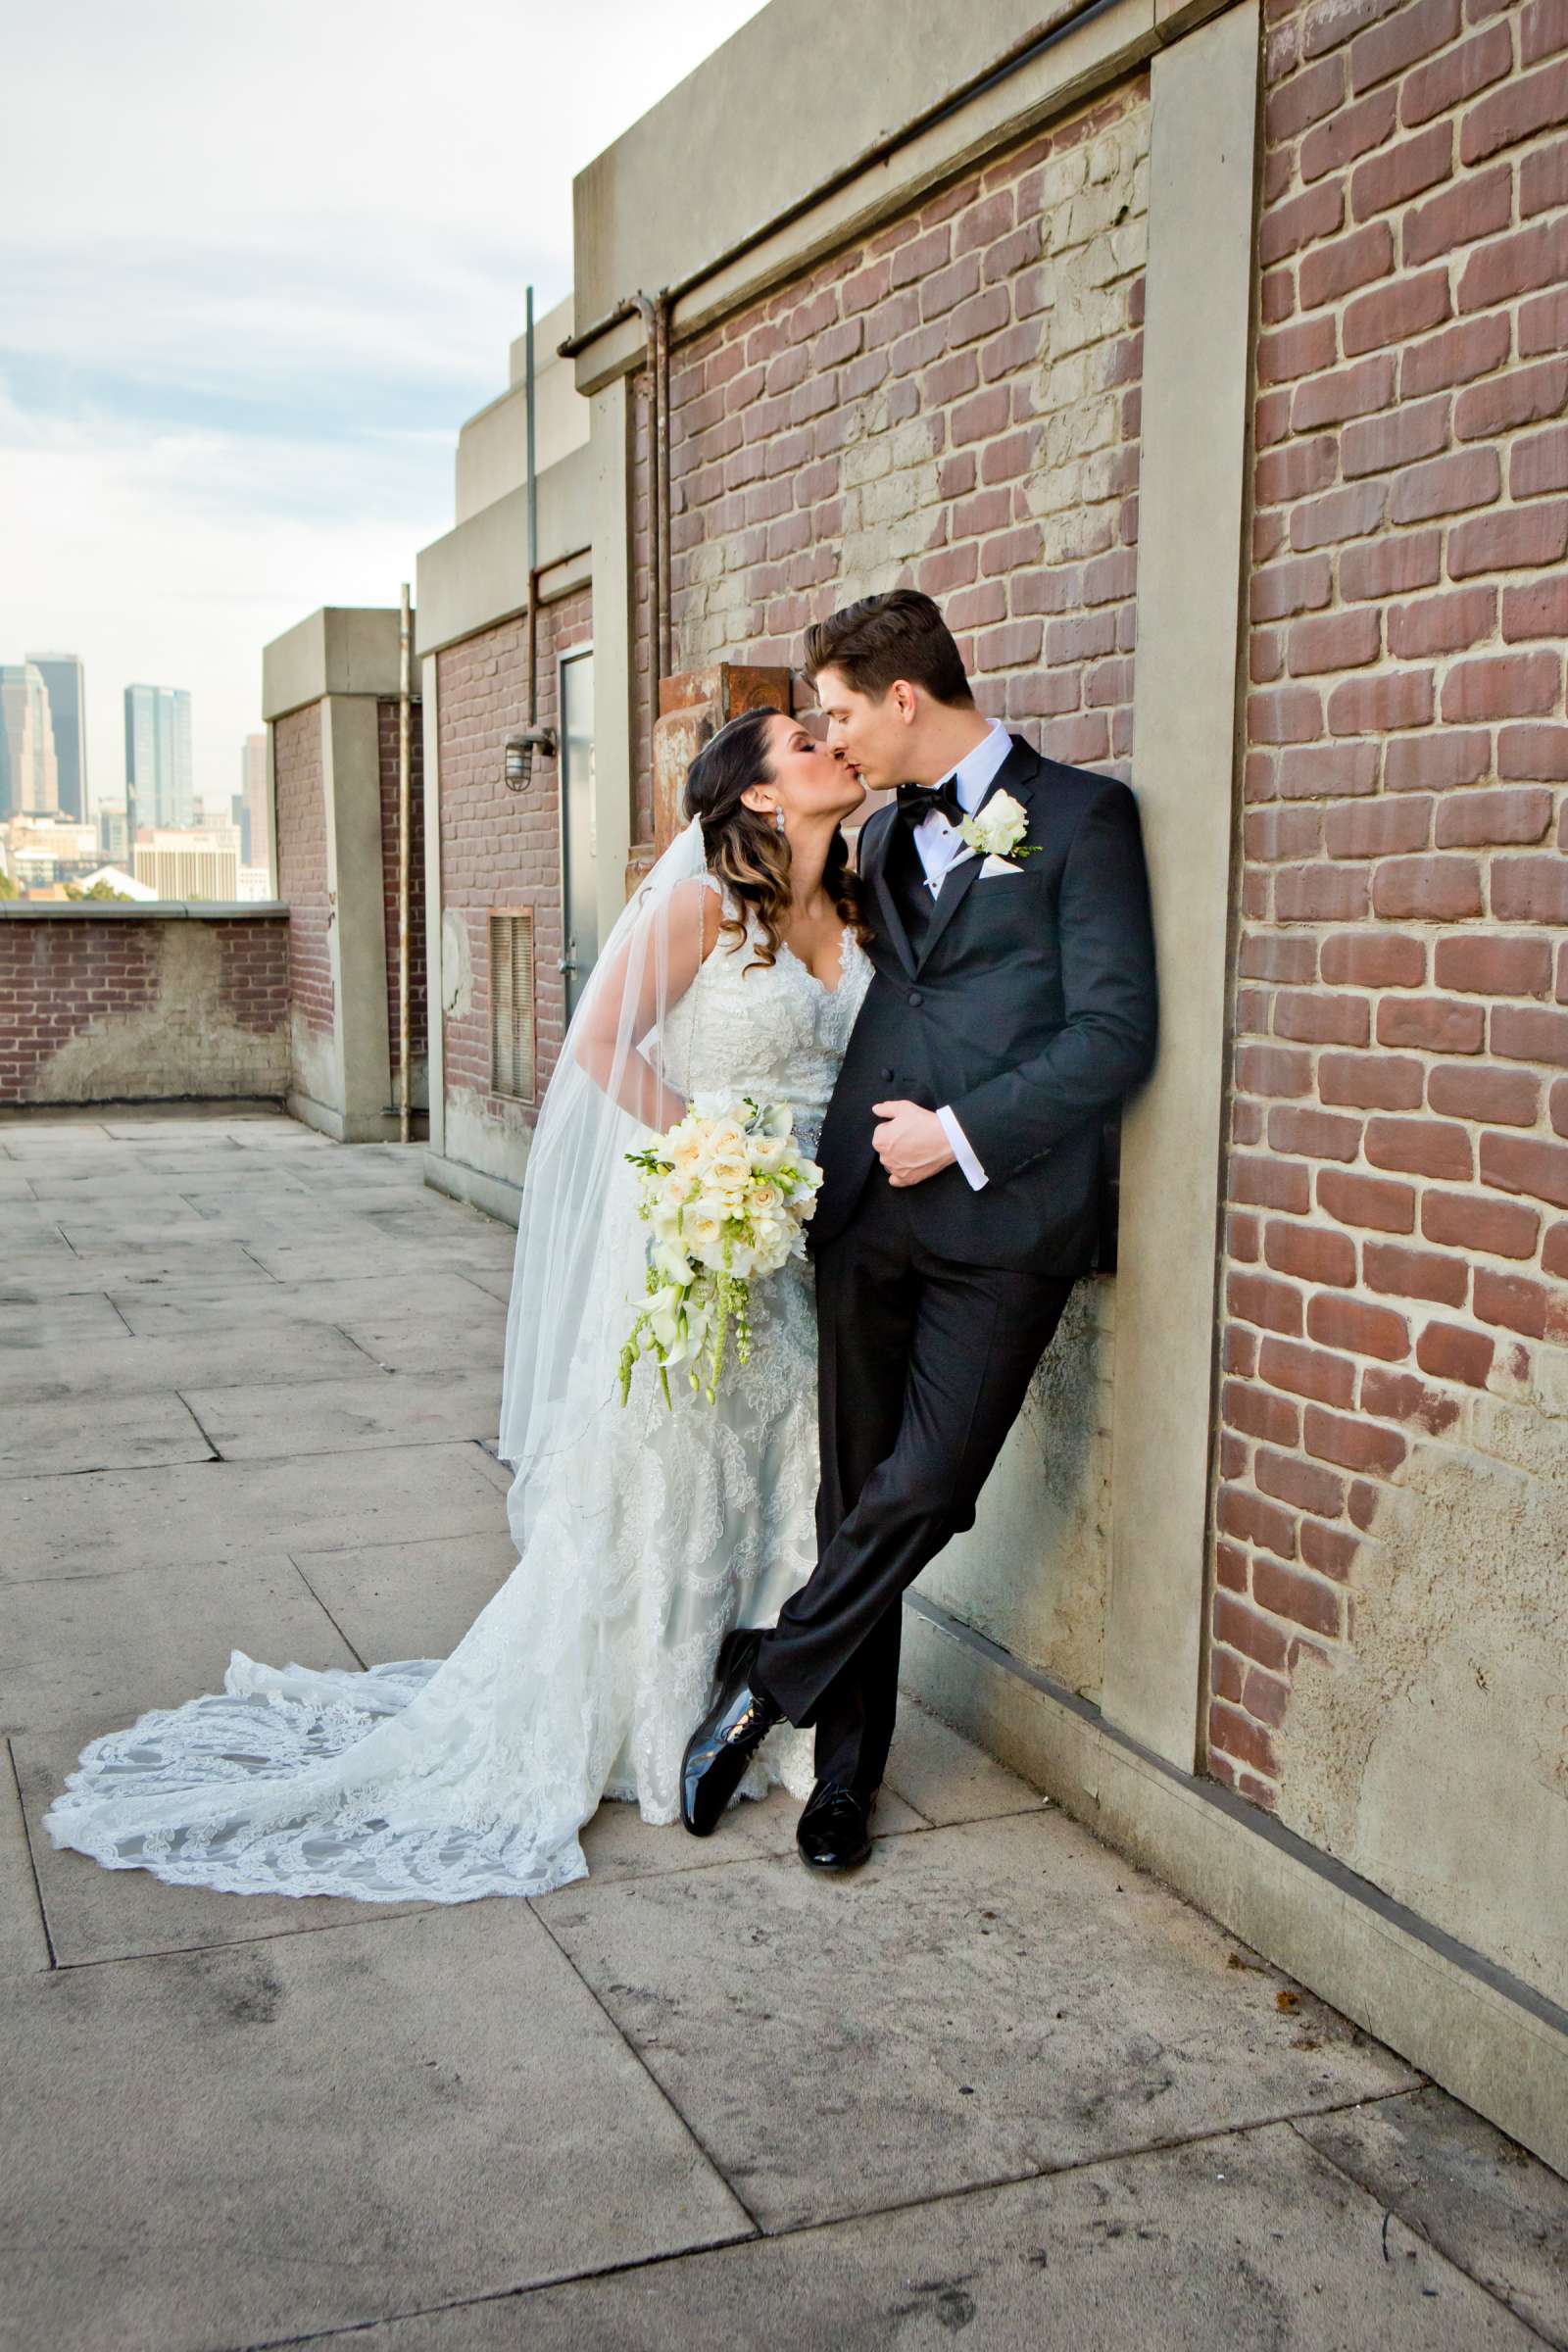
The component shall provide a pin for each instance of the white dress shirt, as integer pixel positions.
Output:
(937, 844)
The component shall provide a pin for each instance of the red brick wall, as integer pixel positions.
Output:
(83, 990)
(387, 721)
(1397, 1177)
(951, 403)
(500, 849)
(302, 862)
(253, 964)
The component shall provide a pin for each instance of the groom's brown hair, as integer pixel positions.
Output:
(900, 634)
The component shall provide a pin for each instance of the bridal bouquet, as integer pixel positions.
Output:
(727, 1194)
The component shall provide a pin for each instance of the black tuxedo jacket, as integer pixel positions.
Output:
(1028, 1005)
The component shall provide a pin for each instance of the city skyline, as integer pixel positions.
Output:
(43, 761)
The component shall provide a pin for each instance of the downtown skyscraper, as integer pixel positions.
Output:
(64, 683)
(28, 770)
(160, 786)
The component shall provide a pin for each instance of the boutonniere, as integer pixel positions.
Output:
(998, 829)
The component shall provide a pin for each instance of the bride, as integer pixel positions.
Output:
(645, 1533)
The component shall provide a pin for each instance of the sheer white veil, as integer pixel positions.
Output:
(579, 1247)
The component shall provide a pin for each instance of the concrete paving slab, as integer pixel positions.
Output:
(442, 1295)
(410, 1600)
(279, 2138)
(412, 1343)
(497, 1280)
(58, 1183)
(79, 1319)
(96, 1651)
(1233, 2244)
(46, 1263)
(1481, 2199)
(499, 1474)
(272, 1224)
(231, 1510)
(307, 1261)
(24, 1946)
(56, 1162)
(22, 1222)
(617, 1844)
(204, 1126)
(450, 1226)
(191, 1247)
(336, 1416)
(120, 1364)
(96, 1915)
(979, 2003)
(946, 1777)
(138, 1218)
(247, 1192)
(105, 1432)
(163, 1265)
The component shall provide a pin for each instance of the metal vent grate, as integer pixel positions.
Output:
(511, 1038)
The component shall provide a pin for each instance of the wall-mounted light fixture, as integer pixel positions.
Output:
(522, 748)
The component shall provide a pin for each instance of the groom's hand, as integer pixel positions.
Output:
(911, 1144)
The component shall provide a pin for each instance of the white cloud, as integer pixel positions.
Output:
(259, 262)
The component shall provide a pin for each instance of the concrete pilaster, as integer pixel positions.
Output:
(1191, 506)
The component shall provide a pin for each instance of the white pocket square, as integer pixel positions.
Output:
(998, 866)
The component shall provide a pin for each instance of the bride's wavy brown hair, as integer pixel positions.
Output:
(745, 850)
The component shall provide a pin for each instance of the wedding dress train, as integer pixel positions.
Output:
(641, 1543)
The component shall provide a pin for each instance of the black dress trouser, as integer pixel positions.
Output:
(924, 1367)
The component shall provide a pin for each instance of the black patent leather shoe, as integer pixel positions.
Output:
(727, 1737)
(834, 1831)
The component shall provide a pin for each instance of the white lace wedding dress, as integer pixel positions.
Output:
(443, 1780)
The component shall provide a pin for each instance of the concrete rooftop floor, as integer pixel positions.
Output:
(1000, 2085)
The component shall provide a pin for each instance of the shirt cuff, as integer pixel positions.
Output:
(963, 1151)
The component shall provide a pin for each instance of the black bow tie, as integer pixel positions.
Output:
(917, 800)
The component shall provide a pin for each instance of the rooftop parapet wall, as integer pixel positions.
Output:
(142, 1003)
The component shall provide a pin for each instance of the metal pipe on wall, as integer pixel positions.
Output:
(405, 806)
(654, 313)
(533, 522)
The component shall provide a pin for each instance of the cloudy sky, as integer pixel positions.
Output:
(258, 260)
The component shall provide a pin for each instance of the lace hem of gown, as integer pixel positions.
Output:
(178, 1769)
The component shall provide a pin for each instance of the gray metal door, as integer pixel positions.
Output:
(579, 890)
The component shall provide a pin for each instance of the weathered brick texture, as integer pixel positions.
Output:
(387, 740)
(951, 403)
(301, 863)
(1399, 1165)
(500, 849)
(141, 1008)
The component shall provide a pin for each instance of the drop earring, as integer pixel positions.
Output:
(778, 818)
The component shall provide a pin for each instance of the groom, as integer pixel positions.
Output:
(1013, 1006)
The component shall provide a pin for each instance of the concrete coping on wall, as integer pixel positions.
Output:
(477, 573)
(340, 649)
(144, 910)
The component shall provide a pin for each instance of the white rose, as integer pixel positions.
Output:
(728, 1169)
(999, 828)
(703, 1228)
